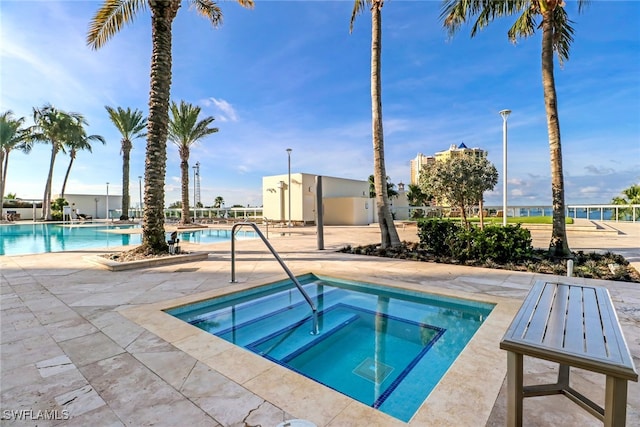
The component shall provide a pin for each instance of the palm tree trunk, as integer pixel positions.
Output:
(558, 246)
(184, 168)
(153, 235)
(389, 234)
(46, 199)
(66, 176)
(126, 150)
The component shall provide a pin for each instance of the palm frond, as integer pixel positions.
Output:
(562, 34)
(525, 26)
(130, 124)
(358, 7)
(110, 19)
(582, 4)
(209, 10)
(184, 127)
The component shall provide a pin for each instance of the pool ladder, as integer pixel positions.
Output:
(314, 310)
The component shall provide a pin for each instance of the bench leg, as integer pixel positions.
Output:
(514, 389)
(615, 402)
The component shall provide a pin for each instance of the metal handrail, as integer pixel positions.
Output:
(266, 224)
(253, 225)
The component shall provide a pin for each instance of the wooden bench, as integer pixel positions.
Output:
(574, 326)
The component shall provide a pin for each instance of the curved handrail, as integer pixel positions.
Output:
(280, 261)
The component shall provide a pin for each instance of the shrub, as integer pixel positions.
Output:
(438, 237)
(503, 244)
(500, 244)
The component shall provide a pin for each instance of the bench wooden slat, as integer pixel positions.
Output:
(554, 334)
(616, 344)
(594, 335)
(537, 324)
(574, 328)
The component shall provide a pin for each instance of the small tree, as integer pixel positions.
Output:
(218, 202)
(460, 181)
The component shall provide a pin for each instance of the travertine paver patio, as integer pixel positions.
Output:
(93, 344)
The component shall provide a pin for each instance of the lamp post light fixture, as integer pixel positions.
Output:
(140, 190)
(504, 114)
(289, 185)
(196, 176)
(107, 204)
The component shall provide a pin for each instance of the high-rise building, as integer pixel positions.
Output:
(460, 150)
(419, 163)
(422, 162)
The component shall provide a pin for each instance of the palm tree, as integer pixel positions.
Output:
(389, 234)
(131, 125)
(55, 127)
(391, 188)
(417, 197)
(77, 141)
(107, 21)
(218, 202)
(184, 131)
(557, 35)
(12, 137)
(631, 197)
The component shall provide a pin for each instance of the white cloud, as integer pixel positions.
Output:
(595, 170)
(223, 111)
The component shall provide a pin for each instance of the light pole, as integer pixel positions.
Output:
(107, 204)
(504, 114)
(196, 186)
(140, 190)
(289, 185)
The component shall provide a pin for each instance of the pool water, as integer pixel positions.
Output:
(384, 347)
(39, 238)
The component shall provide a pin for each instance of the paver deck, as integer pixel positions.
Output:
(92, 345)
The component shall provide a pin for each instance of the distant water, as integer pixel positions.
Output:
(604, 214)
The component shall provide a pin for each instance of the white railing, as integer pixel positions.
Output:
(618, 213)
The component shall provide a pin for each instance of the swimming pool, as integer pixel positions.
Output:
(383, 347)
(36, 238)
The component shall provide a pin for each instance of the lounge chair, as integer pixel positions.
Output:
(173, 243)
(84, 217)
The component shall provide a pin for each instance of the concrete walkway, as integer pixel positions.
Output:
(93, 346)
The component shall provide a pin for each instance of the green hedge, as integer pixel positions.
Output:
(501, 244)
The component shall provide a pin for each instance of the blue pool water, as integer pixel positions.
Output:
(384, 347)
(39, 238)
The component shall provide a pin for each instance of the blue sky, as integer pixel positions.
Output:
(288, 74)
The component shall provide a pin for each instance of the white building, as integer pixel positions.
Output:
(95, 205)
(346, 201)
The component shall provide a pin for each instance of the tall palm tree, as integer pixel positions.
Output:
(557, 35)
(184, 131)
(107, 21)
(78, 140)
(55, 127)
(132, 126)
(12, 137)
(389, 234)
